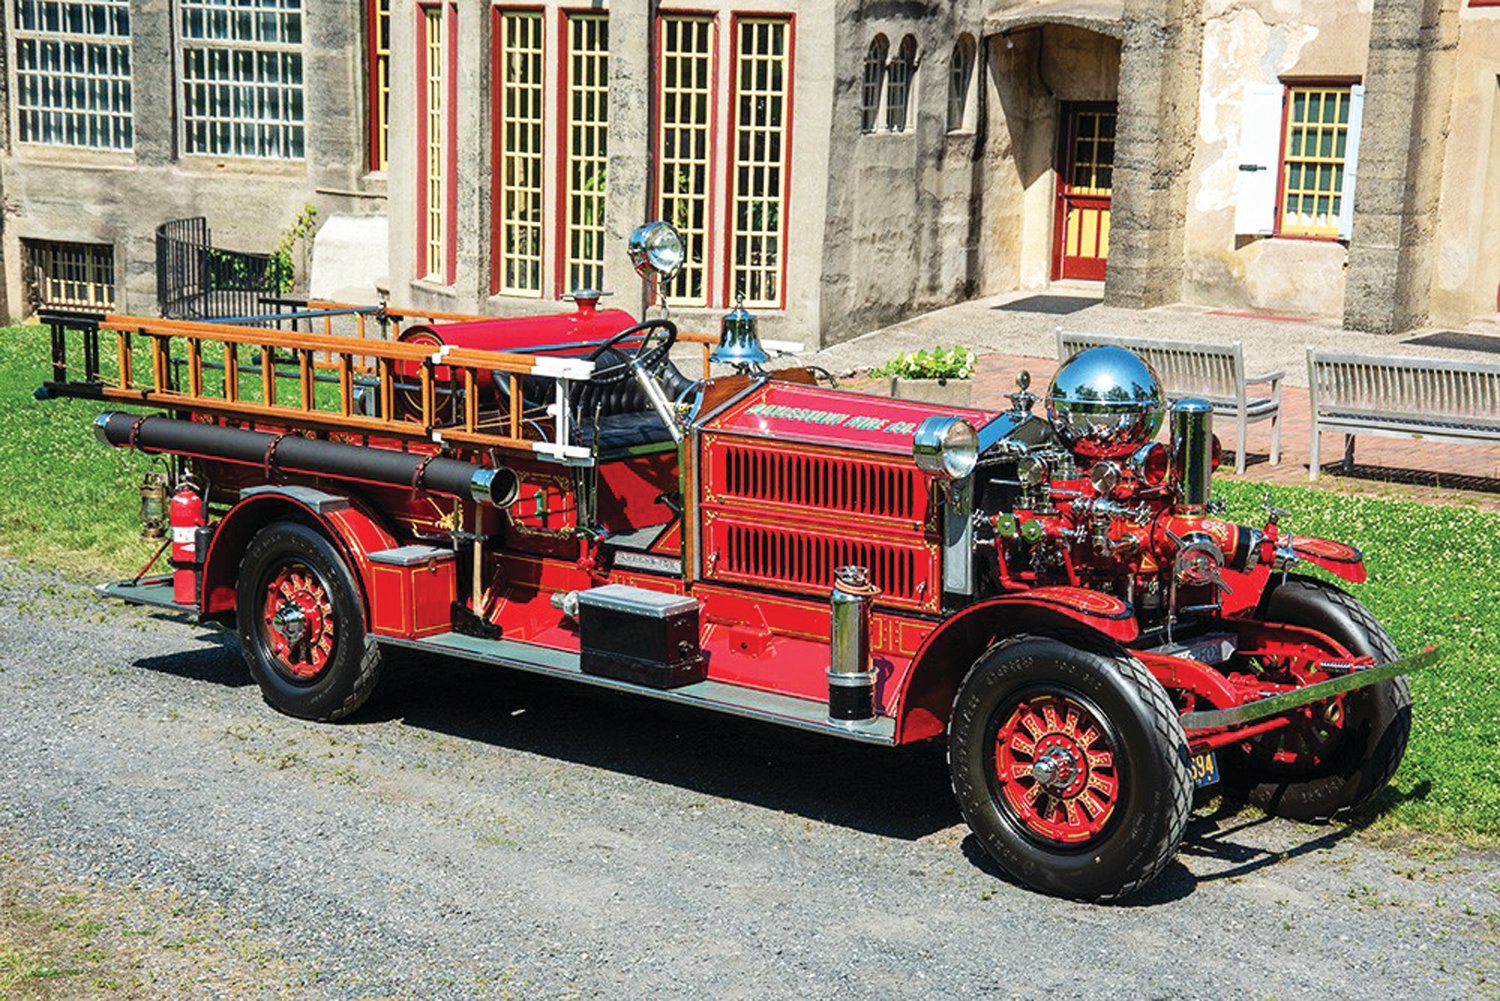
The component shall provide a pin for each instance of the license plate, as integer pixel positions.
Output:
(1204, 768)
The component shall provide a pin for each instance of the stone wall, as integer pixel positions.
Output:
(90, 196)
(903, 228)
(1466, 257)
(1262, 41)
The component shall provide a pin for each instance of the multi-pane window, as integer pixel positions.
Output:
(242, 78)
(869, 95)
(1092, 169)
(74, 275)
(757, 222)
(518, 154)
(587, 96)
(1315, 144)
(960, 74)
(73, 72)
(898, 85)
(435, 141)
(683, 146)
(378, 43)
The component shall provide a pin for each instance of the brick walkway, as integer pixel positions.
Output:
(1429, 471)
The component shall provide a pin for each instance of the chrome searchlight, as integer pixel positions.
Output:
(657, 251)
(946, 447)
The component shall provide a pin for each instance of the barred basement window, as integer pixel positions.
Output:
(518, 152)
(762, 85)
(1317, 134)
(898, 87)
(73, 73)
(436, 90)
(587, 96)
(683, 151)
(869, 98)
(242, 78)
(72, 275)
(378, 80)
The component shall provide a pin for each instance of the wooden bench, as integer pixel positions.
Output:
(1213, 372)
(1452, 401)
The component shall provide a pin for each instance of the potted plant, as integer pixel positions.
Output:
(937, 375)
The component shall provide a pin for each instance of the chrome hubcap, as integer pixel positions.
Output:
(1055, 769)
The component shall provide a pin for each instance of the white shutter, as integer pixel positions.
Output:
(1351, 160)
(1260, 159)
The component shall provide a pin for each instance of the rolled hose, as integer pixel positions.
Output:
(290, 453)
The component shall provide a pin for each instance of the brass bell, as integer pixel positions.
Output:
(739, 344)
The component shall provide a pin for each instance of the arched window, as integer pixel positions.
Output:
(898, 85)
(960, 76)
(869, 98)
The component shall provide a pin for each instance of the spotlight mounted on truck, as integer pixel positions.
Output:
(657, 251)
(946, 447)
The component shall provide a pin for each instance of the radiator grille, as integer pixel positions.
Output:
(806, 560)
(829, 484)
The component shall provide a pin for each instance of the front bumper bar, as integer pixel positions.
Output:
(1213, 719)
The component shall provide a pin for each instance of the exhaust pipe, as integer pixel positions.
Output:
(292, 453)
(851, 682)
(1193, 453)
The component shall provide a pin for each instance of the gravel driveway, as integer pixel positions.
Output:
(479, 833)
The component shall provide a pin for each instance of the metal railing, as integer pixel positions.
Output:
(196, 280)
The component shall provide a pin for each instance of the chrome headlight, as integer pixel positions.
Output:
(946, 447)
(657, 251)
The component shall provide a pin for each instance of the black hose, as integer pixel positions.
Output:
(291, 453)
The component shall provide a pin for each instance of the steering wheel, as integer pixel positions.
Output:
(649, 353)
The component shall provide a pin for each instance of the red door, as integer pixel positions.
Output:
(1085, 173)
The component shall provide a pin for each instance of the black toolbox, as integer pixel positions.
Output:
(641, 636)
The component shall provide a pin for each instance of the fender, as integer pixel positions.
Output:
(1336, 557)
(355, 531)
(949, 650)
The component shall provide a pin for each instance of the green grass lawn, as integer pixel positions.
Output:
(66, 500)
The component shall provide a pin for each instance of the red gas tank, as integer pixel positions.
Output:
(186, 517)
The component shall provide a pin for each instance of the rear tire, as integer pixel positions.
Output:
(302, 625)
(1376, 720)
(1070, 767)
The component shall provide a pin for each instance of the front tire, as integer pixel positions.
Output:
(1327, 772)
(1070, 767)
(301, 625)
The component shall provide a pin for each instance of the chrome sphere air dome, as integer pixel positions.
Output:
(1105, 402)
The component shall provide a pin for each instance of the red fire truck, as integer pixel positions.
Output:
(1055, 597)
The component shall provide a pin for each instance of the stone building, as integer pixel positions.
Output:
(839, 164)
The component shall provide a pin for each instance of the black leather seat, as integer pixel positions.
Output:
(618, 412)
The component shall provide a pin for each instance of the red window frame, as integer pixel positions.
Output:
(497, 145)
(378, 108)
(564, 142)
(1287, 86)
(450, 122)
(712, 208)
(727, 273)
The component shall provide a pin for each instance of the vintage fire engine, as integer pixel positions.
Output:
(1055, 598)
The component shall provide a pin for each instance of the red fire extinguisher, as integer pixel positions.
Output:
(186, 518)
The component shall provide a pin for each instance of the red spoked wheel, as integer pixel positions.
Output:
(1069, 765)
(1335, 756)
(1055, 769)
(299, 621)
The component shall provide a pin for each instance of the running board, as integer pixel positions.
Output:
(802, 714)
(155, 592)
